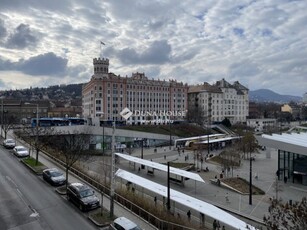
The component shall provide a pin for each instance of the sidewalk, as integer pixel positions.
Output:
(265, 169)
(118, 209)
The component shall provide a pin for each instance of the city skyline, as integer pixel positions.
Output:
(260, 44)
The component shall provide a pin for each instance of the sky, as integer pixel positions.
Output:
(262, 44)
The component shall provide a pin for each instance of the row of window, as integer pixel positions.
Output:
(115, 86)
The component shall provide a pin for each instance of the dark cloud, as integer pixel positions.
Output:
(3, 31)
(22, 37)
(158, 53)
(43, 64)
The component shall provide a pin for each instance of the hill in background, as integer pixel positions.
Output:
(74, 91)
(265, 95)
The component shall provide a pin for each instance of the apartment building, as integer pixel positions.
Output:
(220, 100)
(146, 100)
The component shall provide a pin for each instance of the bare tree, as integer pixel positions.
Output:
(287, 216)
(196, 114)
(9, 120)
(70, 147)
(248, 144)
(230, 159)
(34, 135)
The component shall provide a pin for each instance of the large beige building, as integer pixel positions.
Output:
(220, 100)
(145, 100)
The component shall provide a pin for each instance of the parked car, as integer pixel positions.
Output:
(82, 196)
(21, 151)
(123, 223)
(54, 176)
(9, 143)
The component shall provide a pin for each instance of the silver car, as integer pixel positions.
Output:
(9, 143)
(21, 151)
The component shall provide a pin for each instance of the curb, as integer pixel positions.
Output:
(98, 224)
(33, 169)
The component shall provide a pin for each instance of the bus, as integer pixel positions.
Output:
(58, 121)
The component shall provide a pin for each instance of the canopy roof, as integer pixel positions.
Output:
(180, 172)
(188, 201)
(294, 142)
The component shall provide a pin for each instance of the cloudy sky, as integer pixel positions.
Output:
(262, 44)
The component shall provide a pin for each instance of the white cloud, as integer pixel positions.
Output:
(260, 43)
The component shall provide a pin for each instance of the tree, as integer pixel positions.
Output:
(70, 147)
(196, 114)
(248, 144)
(285, 216)
(230, 159)
(34, 135)
(9, 120)
(226, 122)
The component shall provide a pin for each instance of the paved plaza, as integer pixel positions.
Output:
(264, 177)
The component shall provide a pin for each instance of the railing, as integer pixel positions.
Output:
(155, 221)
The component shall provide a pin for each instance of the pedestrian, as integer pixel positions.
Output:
(218, 225)
(223, 228)
(164, 157)
(155, 200)
(189, 215)
(285, 179)
(214, 225)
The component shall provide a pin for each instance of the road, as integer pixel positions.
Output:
(27, 202)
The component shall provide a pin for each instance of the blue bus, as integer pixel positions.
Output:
(58, 121)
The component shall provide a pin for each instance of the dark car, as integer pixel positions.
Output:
(83, 196)
(54, 177)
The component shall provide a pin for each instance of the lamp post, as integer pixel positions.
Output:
(36, 131)
(170, 133)
(2, 114)
(112, 173)
(250, 179)
(168, 204)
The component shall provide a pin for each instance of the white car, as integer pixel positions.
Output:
(9, 143)
(123, 223)
(21, 151)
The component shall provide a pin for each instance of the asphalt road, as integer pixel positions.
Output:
(27, 202)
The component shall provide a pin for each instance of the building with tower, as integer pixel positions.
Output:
(106, 95)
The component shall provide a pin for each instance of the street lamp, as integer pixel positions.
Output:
(112, 173)
(250, 179)
(168, 188)
(36, 125)
(168, 204)
(170, 133)
(2, 114)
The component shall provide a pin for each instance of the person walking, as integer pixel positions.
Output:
(218, 225)
(189, 215)
(214, 225)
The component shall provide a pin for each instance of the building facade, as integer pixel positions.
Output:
(260, 125)
(18, 111)
(106, 95)
(220, 100)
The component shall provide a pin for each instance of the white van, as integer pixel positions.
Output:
(122, 223)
